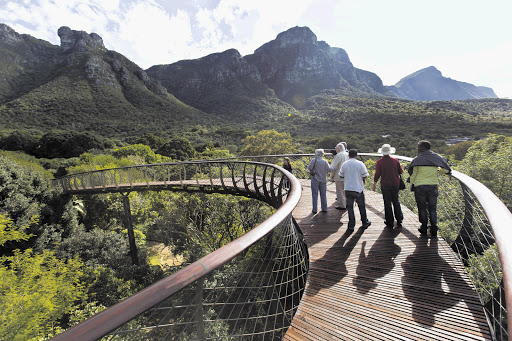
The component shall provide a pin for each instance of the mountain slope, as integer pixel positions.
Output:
(82, 85)
(223, 84)
(429, 85)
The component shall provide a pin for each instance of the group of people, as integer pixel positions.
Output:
(349, 175)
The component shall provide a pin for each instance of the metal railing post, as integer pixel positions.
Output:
(127, 222)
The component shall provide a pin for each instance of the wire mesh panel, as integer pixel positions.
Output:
(253, 297)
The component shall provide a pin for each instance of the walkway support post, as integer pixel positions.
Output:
(127, 222)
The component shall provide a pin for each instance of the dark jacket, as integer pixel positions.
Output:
(429, 158)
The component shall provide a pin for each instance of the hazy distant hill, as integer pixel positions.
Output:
(429, 85)
(81, 85)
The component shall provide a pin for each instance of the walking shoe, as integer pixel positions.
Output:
(399, 224)
(433, 232)
(314, 212)
(388, 224)
(365, 225)
(340, 208)
(422, 230)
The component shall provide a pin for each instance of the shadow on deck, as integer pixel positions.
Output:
(381, 283)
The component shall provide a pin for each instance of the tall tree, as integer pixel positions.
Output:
(267, 142)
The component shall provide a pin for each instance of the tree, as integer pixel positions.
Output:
(177, 148)
(20, 140)
(138, 150)
(458, 150)
(489, 161)
(24, 194)
(36, 290)
(151, 140)
(267, 142)
(67, 144)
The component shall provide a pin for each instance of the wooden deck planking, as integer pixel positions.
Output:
(381, 283)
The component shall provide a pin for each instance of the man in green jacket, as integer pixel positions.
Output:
(424, 171)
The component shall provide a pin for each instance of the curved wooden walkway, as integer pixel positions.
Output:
(381, 283)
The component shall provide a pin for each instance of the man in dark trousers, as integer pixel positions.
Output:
(388, 170)
(424, 181)
(354, 172)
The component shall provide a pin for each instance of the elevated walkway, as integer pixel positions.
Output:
(381, 283)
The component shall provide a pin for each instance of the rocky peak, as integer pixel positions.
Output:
(8, 35)
(296, 35)
(79, 41)
(428, 84)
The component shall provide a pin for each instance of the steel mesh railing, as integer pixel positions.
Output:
(463, 220)
(249, 289)
(254, 296)
(471, 219)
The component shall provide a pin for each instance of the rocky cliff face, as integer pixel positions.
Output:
(189, 78)
(23, 59)
(295, 66)
(102, 67)
(429, 85)
(79, 41)
(221, 83)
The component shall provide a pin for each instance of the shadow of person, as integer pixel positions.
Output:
(379, 261)
(331, 267)
(431, 284)
(320, 226)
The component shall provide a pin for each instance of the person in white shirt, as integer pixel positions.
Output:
(320, 167)
(339, 159)
(354, 173)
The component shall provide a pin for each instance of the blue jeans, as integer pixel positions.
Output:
(322, 186)
(391, 204)
(426, 200)
(359, 199)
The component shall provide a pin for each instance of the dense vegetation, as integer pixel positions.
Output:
(65, 258)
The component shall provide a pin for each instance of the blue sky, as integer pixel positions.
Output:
(467, 40)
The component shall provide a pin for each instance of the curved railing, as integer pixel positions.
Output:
(476, 224)
(251, 286)
(472, 220)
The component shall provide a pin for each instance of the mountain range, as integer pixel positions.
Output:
(71, 85)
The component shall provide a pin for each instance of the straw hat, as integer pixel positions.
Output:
(386, 149)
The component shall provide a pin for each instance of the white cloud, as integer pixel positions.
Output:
(391, 40)
(150, 34)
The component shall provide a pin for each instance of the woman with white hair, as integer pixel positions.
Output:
(318, 168)
(388, 170)
(341, 156)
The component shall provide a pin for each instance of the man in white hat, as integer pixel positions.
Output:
(388, 170)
